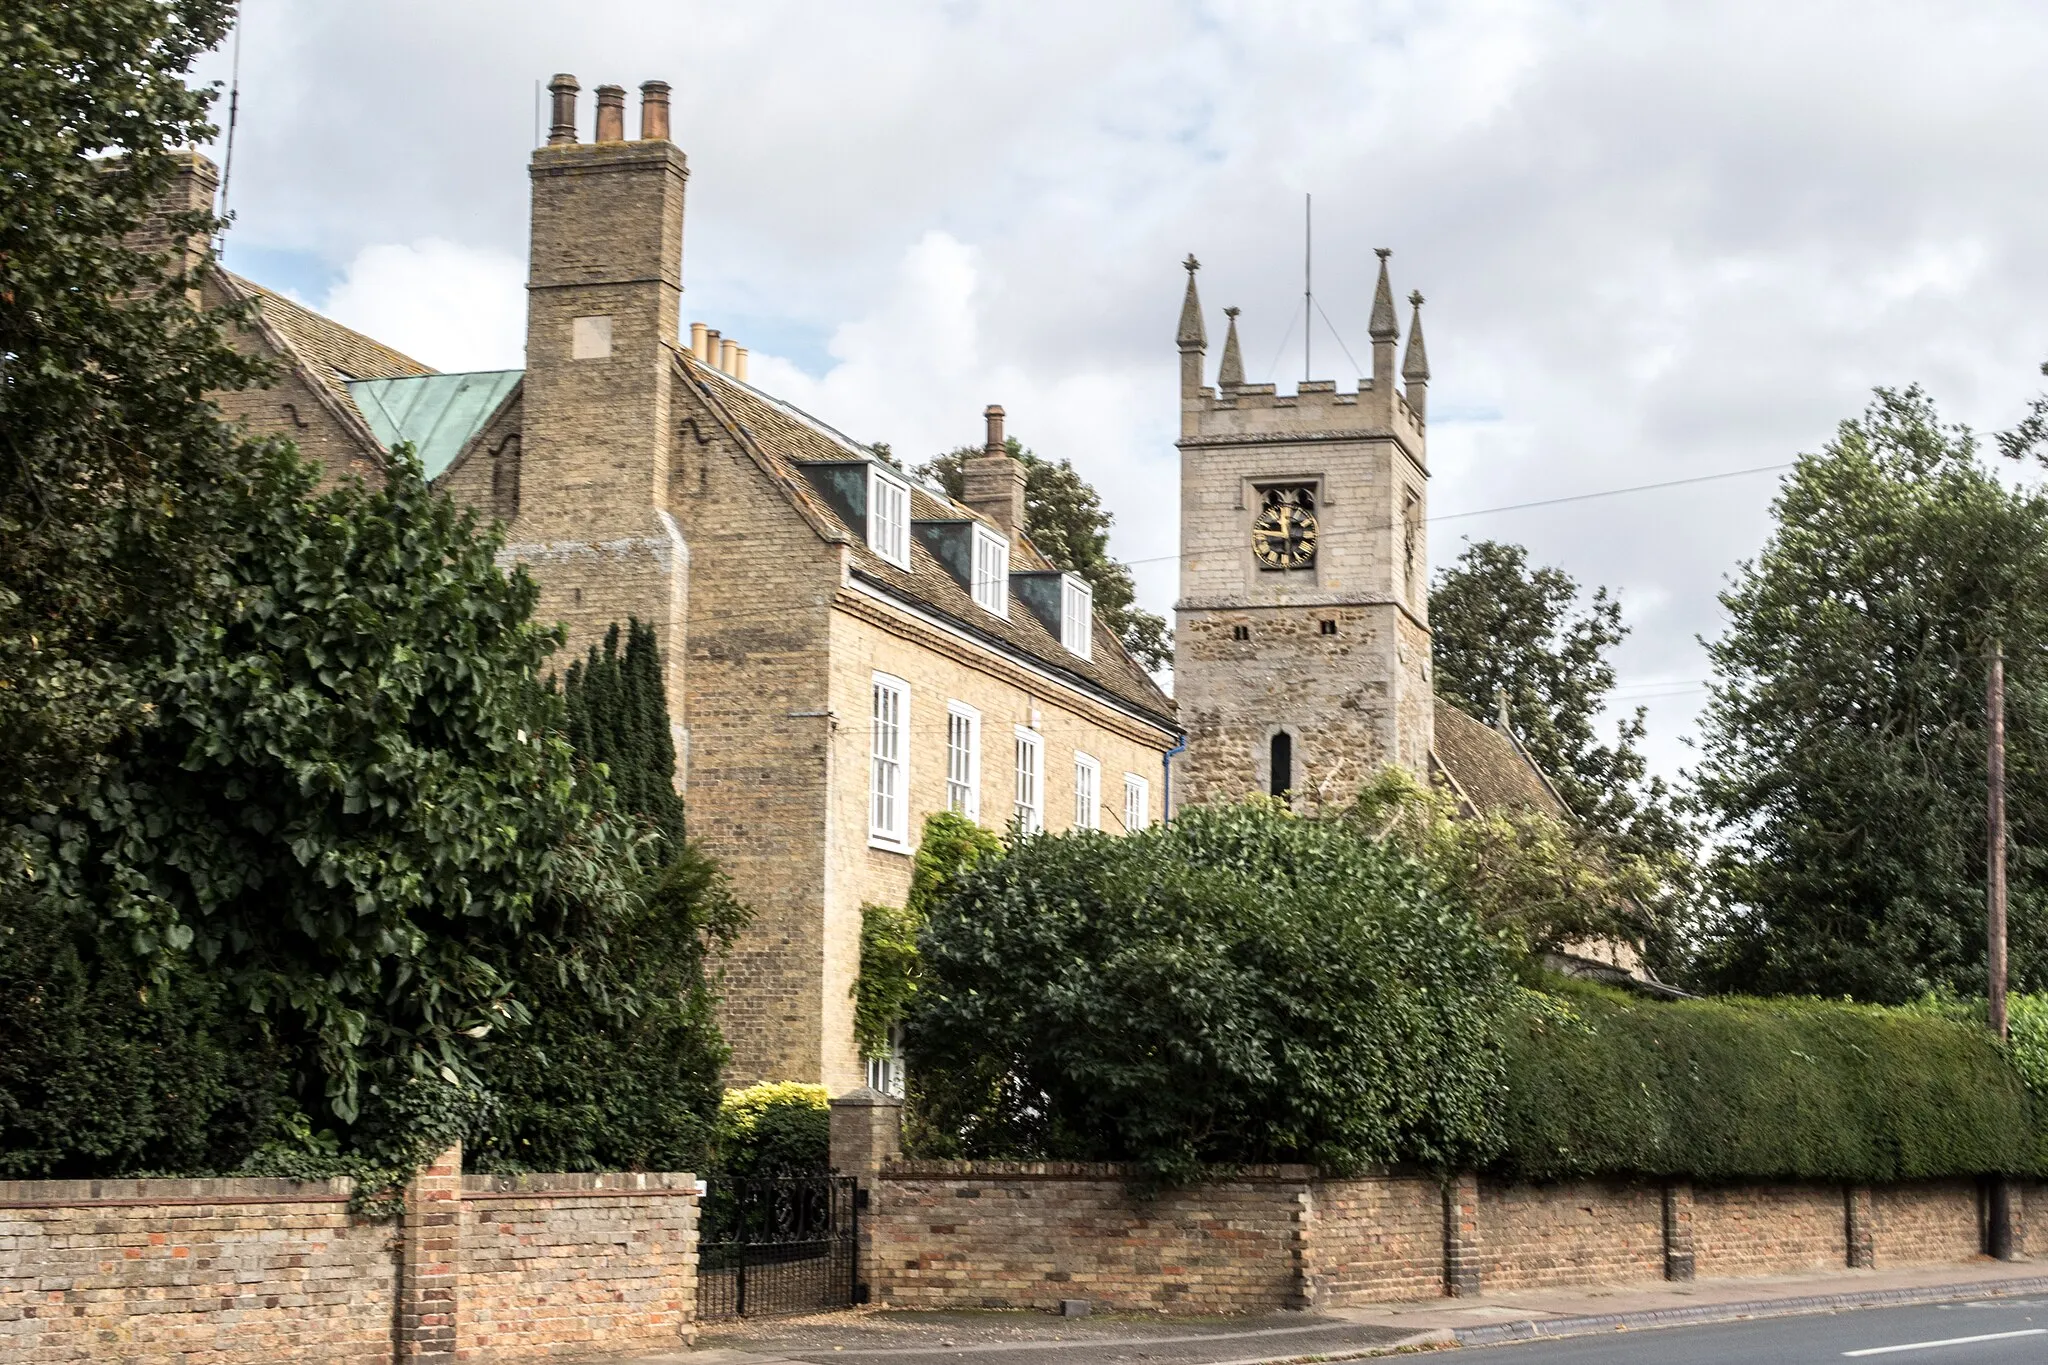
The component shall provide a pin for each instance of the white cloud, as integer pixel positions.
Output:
(448, 305)
(1659, 239)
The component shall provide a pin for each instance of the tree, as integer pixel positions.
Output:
(1843, 744)
(1502, 628)
(356, 805)
(618, 715)
(1064, 516)
(1537, 883)
(115, 472)
(1241, 985)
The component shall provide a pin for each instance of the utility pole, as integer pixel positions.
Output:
(1998, 1190)
(1994, 892)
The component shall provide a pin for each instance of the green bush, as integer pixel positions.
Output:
(1239, 986)
(106, 1069)
(620, 1074)
(1602, 1083)
(775, 1128)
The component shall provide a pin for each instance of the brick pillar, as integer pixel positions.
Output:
(1859, 1223)
(1678, 1257)
(430, 1261)
(867, 1130)
(1461, 1236)
(1308, 1283)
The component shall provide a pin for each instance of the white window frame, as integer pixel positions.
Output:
(1077, 616)
(1087, 792)
(889, 763)
(991, 577)
(888, 535)
(963, 760)
(1028, 809)
(1137, 803)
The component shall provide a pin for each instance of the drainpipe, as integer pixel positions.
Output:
(1166, 762)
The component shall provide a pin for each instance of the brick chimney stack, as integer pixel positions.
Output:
(194, 183)
(603, 319)
(992, 483)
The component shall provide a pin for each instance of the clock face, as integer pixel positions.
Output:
(1284, 531)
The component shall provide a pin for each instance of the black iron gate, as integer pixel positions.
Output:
(777, 1245)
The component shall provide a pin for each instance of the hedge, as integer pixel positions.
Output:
(1600, 1083)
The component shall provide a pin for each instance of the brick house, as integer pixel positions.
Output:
(847, 651)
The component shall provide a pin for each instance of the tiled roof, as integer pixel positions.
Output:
(1486, 766)
(331, 351)
(784, 437)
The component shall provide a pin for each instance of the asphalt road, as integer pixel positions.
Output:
(1977, 1332)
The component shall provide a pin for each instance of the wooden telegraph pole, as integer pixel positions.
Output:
(1997, 1190)
(1994, 892)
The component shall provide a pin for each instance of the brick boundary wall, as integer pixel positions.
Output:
(236, 1272)
(940, 1234)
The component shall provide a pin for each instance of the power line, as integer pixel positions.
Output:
(1554, 502)
(1613, 492)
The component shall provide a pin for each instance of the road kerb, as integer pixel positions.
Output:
(1534, 1329)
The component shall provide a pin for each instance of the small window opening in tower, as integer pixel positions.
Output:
(1329, 627)
(1240, 632)
(1282, 767)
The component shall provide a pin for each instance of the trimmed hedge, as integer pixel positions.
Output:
(1600, 1083)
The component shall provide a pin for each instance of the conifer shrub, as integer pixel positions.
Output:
(617, 715)
(1600, 1083)
(1239, 986)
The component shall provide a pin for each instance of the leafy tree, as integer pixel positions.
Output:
(1538, 883)
(618, 716)
(1843, 743)
(1501, 627)
(1064, 516)
(1241, 985)
(115, 472)
(356, 806)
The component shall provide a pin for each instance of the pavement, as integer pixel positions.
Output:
(1981, 1311)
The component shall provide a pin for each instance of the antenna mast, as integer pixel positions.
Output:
(1308, 293)
(227, 169)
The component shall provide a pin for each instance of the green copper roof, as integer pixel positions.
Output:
(438, 413)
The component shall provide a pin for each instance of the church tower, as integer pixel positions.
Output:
(1301, 639)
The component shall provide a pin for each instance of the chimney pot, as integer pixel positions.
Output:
(698, 331)
(611, 113)
(739, 364)
(562, 131)
(654, 111)
(727, 350)
(994, 414)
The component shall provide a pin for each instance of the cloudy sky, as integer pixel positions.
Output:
(1659, 240)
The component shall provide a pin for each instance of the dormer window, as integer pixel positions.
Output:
(888, 516)
(1077, 616)
(991, 571)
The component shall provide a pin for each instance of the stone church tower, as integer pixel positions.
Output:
(1301, 646)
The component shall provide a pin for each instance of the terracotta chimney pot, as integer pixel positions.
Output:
(654, 111)
(698, 331)
(611, 113)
